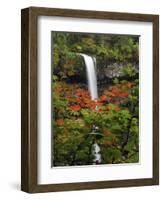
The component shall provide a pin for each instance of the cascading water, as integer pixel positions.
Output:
(91, 75)
(90, 63)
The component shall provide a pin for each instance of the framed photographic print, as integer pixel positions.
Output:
(90, 100)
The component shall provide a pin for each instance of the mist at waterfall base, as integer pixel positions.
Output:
(90, 63)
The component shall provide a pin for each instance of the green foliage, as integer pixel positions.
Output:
(128, 70)
(72, 139)
(106, 48)
(116, 111)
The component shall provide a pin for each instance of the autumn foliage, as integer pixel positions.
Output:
(76, 113)
(114, 114)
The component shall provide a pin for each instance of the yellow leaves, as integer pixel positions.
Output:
(80, 122)
(70, 73)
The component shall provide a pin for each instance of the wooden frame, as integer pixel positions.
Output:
(29, 99)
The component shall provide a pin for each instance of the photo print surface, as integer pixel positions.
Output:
(95, 99)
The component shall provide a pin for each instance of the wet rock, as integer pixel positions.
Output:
(113, 70)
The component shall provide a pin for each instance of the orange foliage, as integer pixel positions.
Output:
(59, 122)
(75, 108)
(119, 90)
(79, 98)
(103, 98)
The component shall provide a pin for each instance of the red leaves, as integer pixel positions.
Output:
(82, 99)
(124, 94)
(119, 90)
(117, 109)
(103, 98)
(82, 93)
(75, 108)
(118, 93)
(78, 98)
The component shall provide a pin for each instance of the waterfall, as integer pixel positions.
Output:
(90, 63)
(96, 152)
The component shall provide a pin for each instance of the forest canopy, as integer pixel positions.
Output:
(107, 50)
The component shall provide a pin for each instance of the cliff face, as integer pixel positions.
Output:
(106, 74)
(113, 70)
